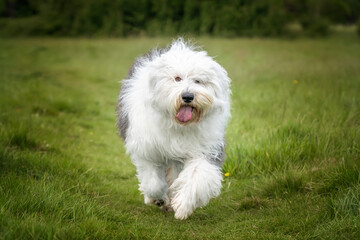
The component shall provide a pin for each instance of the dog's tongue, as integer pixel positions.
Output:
(184, 114)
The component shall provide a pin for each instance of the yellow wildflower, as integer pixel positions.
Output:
(227, 174)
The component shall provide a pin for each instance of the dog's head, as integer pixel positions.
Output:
(188, 85)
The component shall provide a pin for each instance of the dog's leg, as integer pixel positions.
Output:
(152, 182)
(172, 172)
(197, 183)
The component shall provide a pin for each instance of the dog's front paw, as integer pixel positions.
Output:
(182, 207)
(159, 202)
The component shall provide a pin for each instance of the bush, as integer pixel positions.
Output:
(22, 26)
(316, 27)
(228, 18)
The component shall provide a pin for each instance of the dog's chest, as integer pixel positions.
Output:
(178, 145)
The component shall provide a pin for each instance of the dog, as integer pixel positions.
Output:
(172, 112)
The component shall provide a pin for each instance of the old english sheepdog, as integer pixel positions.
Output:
(172, 112)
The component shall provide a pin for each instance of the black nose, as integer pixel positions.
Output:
(187, 97)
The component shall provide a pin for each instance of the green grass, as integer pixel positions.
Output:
(293, 147)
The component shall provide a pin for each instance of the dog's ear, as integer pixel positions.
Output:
(223, 79)
(155, 73)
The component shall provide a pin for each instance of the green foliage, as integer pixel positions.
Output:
(120, 18)
(315, 27)
(292, 142)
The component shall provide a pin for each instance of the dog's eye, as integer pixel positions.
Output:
(197, 81)
(178, 79)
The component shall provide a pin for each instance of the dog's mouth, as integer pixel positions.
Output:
(185, 113)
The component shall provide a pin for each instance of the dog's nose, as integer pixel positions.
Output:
(187, 97)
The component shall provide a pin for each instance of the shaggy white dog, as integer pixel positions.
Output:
(172, 111)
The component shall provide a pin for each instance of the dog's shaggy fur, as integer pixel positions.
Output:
(172, 111)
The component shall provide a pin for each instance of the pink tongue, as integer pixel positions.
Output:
(184, 114)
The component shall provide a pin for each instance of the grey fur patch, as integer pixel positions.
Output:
(122, 117)
(218, 158)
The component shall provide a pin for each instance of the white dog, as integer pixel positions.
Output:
(172, 112)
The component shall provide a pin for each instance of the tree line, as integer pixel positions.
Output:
(168, 17)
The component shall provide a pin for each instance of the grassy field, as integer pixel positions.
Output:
(293, 143)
